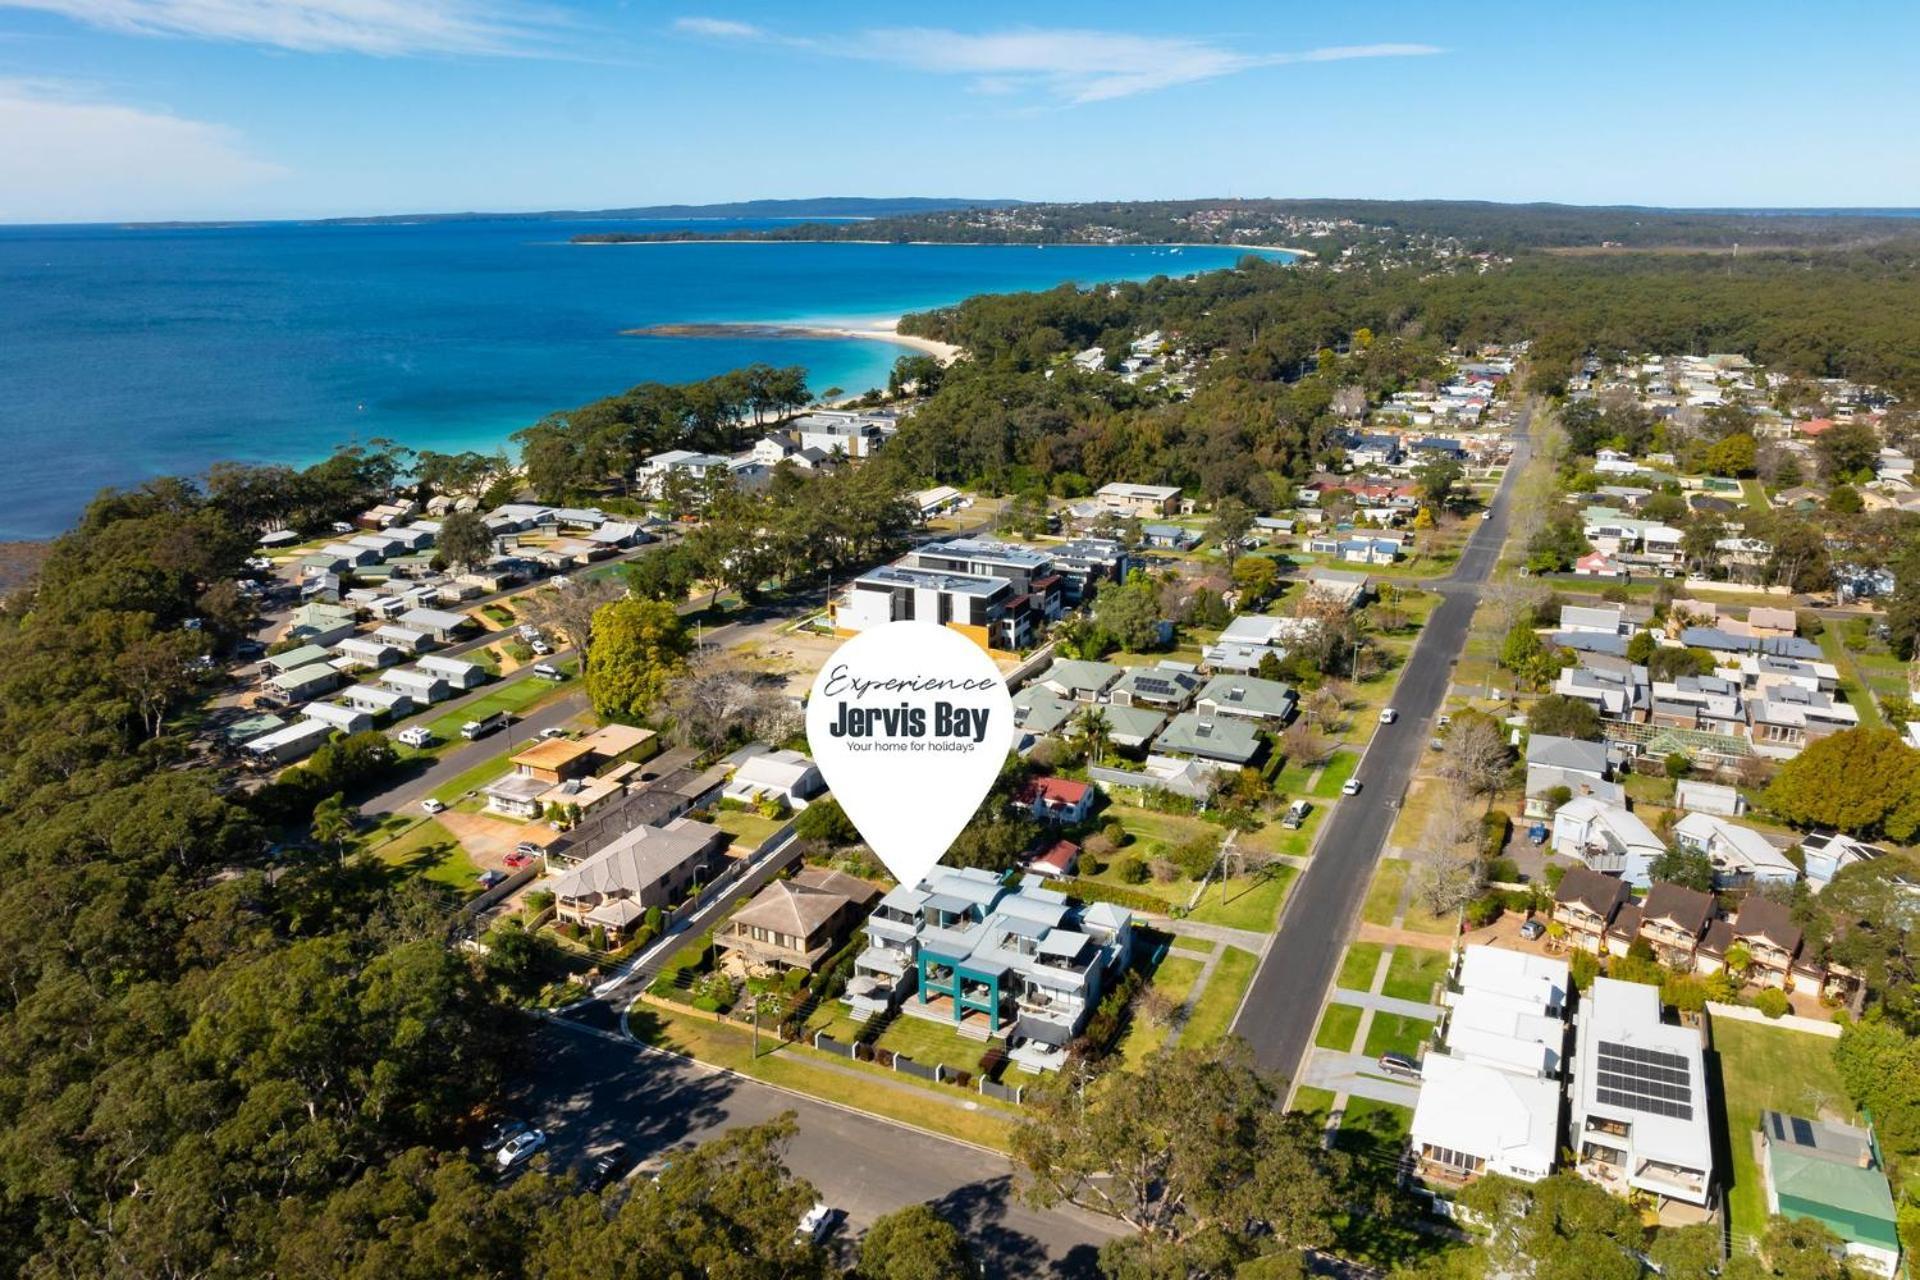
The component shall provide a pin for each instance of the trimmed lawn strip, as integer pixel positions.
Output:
(473, 779)
(802, 1069)
(1246, 902)
(1764, 1068)
(1213, 1012)
(1274, 838)
(514, 698)
(1309, 1101)
(1396, 1033)
(1383, 895)
(1358, 966)
(1339, 1023)
(1335, 775)
(1412, 973)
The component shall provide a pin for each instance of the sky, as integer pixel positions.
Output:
(115, 110)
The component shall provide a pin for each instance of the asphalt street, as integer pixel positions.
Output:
(1278, 1016)
(449, 765)
(590, 1089)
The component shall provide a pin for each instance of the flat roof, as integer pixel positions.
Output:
(554, 753)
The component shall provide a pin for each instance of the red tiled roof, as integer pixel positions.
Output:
(1059, 858)
(1062, 791)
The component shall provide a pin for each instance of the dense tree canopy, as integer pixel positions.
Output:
(1864, 781)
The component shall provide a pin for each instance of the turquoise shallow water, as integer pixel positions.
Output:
(129, 353)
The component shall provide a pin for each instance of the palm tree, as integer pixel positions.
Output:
(334, 823)
(1092, 734)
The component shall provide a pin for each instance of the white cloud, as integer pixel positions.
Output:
(67, 157)
(719, 29)
(1070, 65)
(383, 28)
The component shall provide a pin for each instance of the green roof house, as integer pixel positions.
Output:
(1831, 1173)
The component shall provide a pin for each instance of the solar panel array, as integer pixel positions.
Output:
(1153, 684)
(1649, 1080)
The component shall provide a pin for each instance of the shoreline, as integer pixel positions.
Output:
(959, 244)
(885, 330)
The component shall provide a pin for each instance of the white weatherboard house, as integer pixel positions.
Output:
(1490, 1088)
(1639, 1092)
(1607, 838)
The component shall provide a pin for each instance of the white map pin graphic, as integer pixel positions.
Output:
(909, 723)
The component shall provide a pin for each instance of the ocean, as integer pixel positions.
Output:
(127, 353)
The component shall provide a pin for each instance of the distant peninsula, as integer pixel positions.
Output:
(814, 207)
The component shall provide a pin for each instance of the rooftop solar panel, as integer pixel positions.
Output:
(1649, 1080)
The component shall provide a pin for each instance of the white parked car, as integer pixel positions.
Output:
(1352, 787)
(433, 806)
(553, 731)
(1388, 715)
(816, 1224)
(521, 1147)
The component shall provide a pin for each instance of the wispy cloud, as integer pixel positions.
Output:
(720, 29)
(67, 155)
(1074, 66)
(384, 28)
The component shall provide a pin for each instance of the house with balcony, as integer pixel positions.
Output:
(1026, 965)
(1585, 905)
(1490, 1089)
(1671, 919)
(1606, 837)
(798, 922)
(1638, 1098)
(1827, 853)
(1742, 857)
(1773, 943)
(1788, 717)
(1142, 501)
(1623, 695)
(1581, 767)
(642, 868)
(1061, 801)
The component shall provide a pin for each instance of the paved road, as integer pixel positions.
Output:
(451, 764)
(1278, 1015)
(589, 1091)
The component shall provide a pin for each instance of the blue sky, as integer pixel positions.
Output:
(140, 109)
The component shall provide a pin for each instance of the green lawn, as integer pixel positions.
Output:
(1376, 1126)
(748, 829)
(1335, 775)
(1383, 895)
(1412, 973)
(1310, 1101)
(472, 779)
(931, 1042)
(1272, 837)
(430, 850)
(514, 698)
(1396, 1033)
(1174, 979)
(1246, 902)
(1420, 920)
(1762, 1068)
(1339, 1023)
(1358, 966)
(1850, 684)
(1213, 1012)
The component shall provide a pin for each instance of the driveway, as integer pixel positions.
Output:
(1358, 1075)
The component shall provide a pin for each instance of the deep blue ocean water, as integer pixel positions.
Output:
(127, 353)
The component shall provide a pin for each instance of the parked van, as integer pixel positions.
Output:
(547, 671)
(416, 736)
(481, 728)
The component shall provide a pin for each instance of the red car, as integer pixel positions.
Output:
(517, 860)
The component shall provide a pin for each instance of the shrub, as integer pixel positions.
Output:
(653, 919)
(1495, 829)
(1164, 871)
(1503, 870)
(1115, 833)
(959, 1078)
(1091, 864)
(1101, 891)
(1484, 910)
(1131, 871)
(993, 1062)
(1772, 1002)
(598, 938)
(1196, 857)
(1584, 967)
